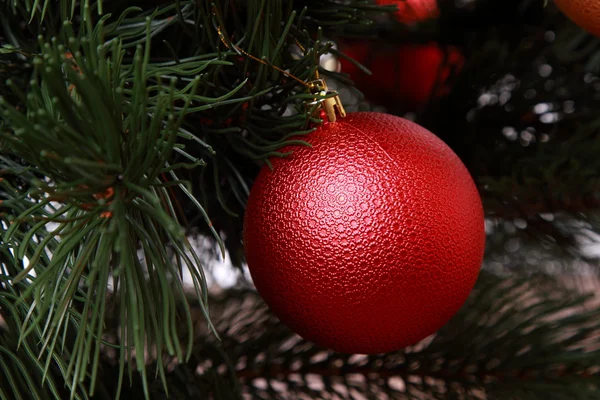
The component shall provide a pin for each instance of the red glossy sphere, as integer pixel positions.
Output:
(406, 76)
(368, 241)
(413, 11)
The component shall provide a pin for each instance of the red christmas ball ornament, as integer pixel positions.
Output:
(369, 240)
(404, 76)
(413, 11)
(585, 13)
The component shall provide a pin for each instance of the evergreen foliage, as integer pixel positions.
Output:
(127, 127)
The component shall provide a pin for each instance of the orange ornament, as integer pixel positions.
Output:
(585, 13)
(413, 11)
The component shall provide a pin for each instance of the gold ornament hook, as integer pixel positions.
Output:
(331, 105)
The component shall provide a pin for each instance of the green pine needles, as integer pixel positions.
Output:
(513, 339)
(101, 130)
(100, 139)
(126, 126)
(23, 371)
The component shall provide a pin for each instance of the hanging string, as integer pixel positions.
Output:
(331, 105)
(229, 46)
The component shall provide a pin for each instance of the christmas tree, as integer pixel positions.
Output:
(132, 133)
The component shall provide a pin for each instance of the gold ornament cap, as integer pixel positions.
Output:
(331, 105)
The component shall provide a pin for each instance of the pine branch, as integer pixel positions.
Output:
(335, 13)
(100, 140)
(229, 116)
(42, 10)
(92, 108)
(544, 242)
(94, 125)
(513, 338)
(23, 373)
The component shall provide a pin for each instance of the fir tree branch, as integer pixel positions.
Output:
(27, 371)
(512, 339)
(98, 138)
(117, 121)
(335, 13)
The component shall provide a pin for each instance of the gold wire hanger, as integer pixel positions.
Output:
(332, 105)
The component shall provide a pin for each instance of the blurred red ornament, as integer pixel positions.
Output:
(413, 11)
(405, 76)
(585, 13)
(369, 240)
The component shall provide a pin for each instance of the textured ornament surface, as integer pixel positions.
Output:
(368, 241)
(585, 13)
(413, 11)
